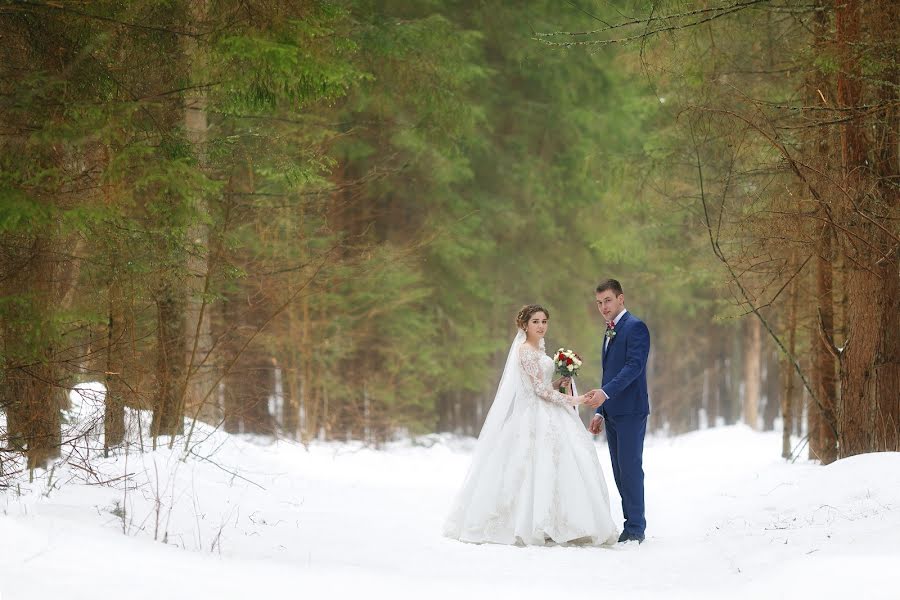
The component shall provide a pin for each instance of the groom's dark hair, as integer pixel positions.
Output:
(610, 284)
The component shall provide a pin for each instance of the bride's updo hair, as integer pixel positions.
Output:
(525, 314)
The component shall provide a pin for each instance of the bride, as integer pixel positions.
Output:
(535, 477)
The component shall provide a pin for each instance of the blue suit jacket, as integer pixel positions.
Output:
(625, 369)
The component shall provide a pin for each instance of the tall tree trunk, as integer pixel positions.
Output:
(887, 368)
(250, 380)
(823, 439)
(34, 413)
(290, 409)
(202, 375)
(233, 417)
(752, 374)
(822, 415)
(788, 401)
(118, 335)
(773, 392)
(727, 386)
(813, 416)
(232, 382)
(887, 167)
(33, 394)
(261, 375)
(309, 400)
(858, 399)
(170, 368)
(856, 411)
(715, 373)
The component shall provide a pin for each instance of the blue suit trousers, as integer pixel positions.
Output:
(625, 438)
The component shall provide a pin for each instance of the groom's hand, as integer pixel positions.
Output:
(596, 425)
(595, 398)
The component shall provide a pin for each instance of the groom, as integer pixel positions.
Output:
(624, 403)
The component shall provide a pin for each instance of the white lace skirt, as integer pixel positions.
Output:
(541, 482)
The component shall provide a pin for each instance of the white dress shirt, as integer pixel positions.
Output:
(615, 322)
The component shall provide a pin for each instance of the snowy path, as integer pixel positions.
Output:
(726, 517)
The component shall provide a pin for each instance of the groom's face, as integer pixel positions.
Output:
(609, 304)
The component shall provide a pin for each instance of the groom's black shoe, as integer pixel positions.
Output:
(630, 537)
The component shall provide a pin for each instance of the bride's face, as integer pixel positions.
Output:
(537, 326)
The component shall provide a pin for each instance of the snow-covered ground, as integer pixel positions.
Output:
(244, 517)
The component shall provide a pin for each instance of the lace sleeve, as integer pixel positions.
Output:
(531, 366)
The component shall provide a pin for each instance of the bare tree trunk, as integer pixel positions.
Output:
(728, 400)
(33, 415)
(290, 408)
(197, 313)
(821, 415)
(233, 417)
(33, 379)
(813, 417)
(887, 369)
(170, 352)
(715, 373)
(232, 383)
(752, 375)
(856, 412)
(858, 399)
(261, 375)
(773, 392)
(822, 437)
(309, 401)
(290, 411)
(116, 388)
(787, 399)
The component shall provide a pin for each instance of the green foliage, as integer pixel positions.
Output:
(418, 170)
(20, 213)
(294, 65)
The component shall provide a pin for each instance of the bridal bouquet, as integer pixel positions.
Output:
(567, 364)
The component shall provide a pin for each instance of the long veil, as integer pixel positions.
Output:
(505, 399)
(502, 409)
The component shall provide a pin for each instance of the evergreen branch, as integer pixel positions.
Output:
(64, 9)
(861, 107)
(717, 11)
(645, 35)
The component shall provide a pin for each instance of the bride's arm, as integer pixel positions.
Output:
(531, 366)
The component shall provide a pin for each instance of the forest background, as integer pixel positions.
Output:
(317, 219)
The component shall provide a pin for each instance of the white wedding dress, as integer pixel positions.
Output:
(535, 477)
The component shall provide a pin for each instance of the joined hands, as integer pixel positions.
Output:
(594, 398)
